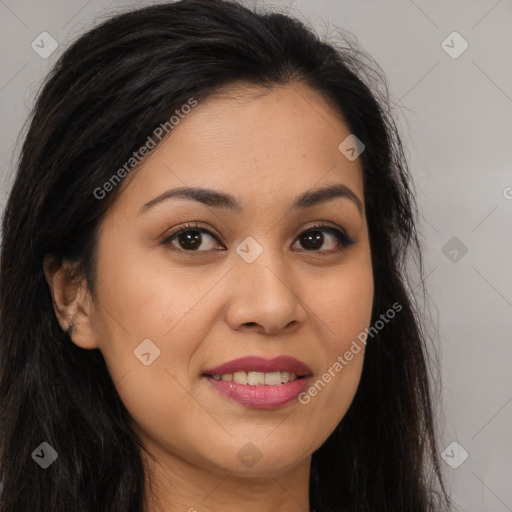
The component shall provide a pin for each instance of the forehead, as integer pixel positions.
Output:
(259, 144)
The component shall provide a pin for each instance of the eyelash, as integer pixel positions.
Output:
(343, 239)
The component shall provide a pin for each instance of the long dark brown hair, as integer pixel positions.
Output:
(110, 90)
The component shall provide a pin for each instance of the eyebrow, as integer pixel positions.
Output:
(227, 201)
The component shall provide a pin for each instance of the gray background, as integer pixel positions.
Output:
(455, 118)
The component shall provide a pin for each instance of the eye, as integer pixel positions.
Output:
(190, 237)
(313, 239)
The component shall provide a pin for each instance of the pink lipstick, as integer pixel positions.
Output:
(260, 383)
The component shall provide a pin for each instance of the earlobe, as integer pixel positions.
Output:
(71, 301)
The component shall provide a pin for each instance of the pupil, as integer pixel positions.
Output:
(192, 238)
(314, 237)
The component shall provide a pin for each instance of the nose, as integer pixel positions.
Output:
(264, 296)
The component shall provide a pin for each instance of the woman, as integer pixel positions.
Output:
(203, 294)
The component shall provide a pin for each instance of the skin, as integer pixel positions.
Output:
(203, 308)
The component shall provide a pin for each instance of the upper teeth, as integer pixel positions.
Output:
(258, 378)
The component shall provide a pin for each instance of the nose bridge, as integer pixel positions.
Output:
(264, 264)
(264, 292)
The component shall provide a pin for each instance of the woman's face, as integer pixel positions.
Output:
(260, 280)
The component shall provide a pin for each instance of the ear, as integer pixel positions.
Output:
(72, 302)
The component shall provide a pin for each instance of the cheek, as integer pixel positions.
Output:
(139, 300)
(143, 306)
(344, 303)
(142, 296)
(352, 309)
(344, 312)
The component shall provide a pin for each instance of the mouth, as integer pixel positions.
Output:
(254, 378)
(260, 383)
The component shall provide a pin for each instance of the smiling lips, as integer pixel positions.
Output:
(260, 383)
